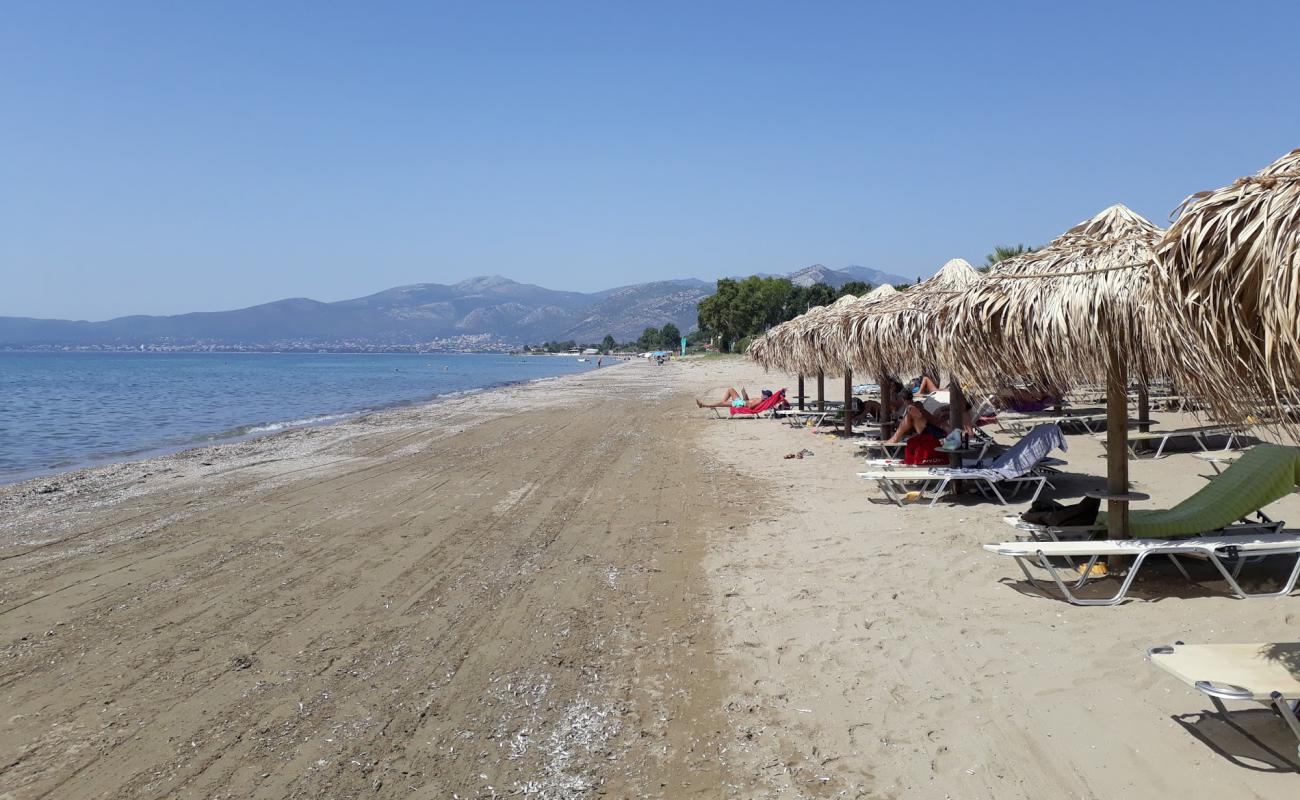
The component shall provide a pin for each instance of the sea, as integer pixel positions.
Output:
(67, 410)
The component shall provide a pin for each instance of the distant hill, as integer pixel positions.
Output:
(476, 313)
(838, 277)
(479, 313)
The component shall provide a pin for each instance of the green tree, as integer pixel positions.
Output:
(670, 338)
(855, 288)
(608, 345)
(819, 294)
(744, 308)
(649, 340)
(1002, 252)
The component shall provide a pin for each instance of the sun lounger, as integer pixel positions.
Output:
(796, 418)
(768, 405)
(1198, 435)
(1217, 550)
(1263, 673)
(1262, 475)
(1016, 467)
(1019, 426)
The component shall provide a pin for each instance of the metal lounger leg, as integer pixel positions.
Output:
(1288, 715)
(994, 487)
(1161, 449)
(1041, 483)
(884, 484)
(938, 493)
(1108, 601)
(1174, 558)
(1286, 589)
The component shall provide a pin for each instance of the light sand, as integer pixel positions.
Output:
(576, 588)
(879, 652)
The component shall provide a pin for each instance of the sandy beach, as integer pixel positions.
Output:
(583, 587)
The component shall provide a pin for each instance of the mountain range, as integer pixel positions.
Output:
(486, 312)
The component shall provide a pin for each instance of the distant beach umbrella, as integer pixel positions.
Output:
(894, 336)
(1227, 277)
(838, 334)
(807, 340)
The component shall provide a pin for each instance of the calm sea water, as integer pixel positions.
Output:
(61, 411)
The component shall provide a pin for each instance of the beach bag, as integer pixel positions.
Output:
(1055, 515)
(920, 451)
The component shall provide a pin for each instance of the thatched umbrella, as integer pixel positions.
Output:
(838, 341)
(782, 349)
(1227, 276)
(1070, 312)
(895, 336)
(815, 341)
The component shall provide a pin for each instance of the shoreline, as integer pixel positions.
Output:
(270, 428)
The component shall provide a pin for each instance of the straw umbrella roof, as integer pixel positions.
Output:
(893, 336)
(1056, 315)
(824, 334)
(808, 354)
(835, 327)
(776, 349)
(1228, 277)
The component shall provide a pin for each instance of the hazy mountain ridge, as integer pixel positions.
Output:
(838, 277)
(481, 312)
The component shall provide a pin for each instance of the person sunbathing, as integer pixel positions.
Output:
(926, 385)
(1026, 400)
(732, 399)
(917, 419)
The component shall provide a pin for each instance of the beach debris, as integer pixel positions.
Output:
(241, 662)
(47, 488)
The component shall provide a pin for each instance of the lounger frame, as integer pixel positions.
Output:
(896, 490)
(1215, 552)
(1288, 710)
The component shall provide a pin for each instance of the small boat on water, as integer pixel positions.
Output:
(582, 359)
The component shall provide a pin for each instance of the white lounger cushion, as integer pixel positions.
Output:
(1275, 542)
(1258, 668)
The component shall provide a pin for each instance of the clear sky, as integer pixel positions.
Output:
(167, 157)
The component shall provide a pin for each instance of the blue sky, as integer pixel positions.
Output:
(168, 157)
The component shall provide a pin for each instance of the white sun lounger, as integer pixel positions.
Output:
(1262, 673)
(1019, 466)
(1020, 425)
(1216, 549)
(796, 418)
(1198, 435)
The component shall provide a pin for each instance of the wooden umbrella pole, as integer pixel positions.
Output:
(956, 416)
(1144, 405)
(1116, 452)
(886, 400)
(821, 390)
(848, 402)
(801, 392)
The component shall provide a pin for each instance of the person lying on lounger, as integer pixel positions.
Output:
(1026, 400)
(870, 409)
(735, 399)
(917, 419)
(926, 385)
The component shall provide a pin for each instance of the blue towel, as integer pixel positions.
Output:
(1023, 456)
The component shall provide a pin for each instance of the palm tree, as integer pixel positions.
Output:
(1003, 252)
